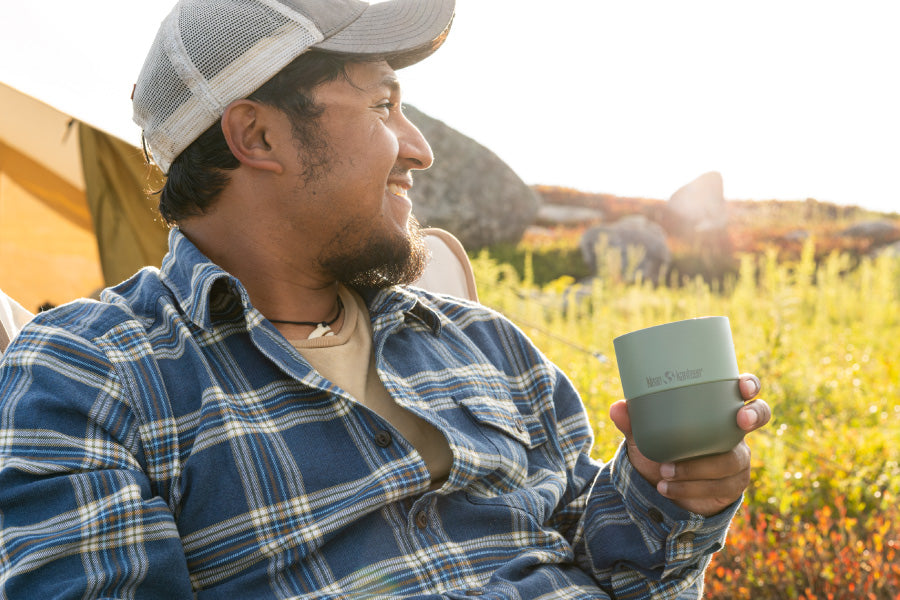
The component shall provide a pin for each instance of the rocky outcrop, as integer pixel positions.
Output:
(469, 191)
(697, 214)
(698, 207)
(878, 231)
(629, 234)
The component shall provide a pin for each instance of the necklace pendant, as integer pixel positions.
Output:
(321, 330)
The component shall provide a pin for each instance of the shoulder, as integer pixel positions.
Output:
(84, 357)
(491, 331)
(75, 326)
(459, 312)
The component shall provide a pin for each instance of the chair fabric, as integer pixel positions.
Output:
(449, 270)
(12, 317)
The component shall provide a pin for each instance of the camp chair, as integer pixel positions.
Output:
(448, 270)
(12, 318)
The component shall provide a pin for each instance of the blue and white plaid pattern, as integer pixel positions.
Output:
(168, 442)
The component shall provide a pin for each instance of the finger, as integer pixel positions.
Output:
(648, 469)
(711, 467)
(618, 413)
(707, 485)
(750, 386)
(706, 496)
(754, 415)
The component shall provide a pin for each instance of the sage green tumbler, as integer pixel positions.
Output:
(681, 384)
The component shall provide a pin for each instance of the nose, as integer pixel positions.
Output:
(414, 152)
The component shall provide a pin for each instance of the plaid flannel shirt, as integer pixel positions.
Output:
(168, 442)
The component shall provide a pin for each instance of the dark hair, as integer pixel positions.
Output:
(199, 174)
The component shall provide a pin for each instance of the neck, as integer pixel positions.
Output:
(339, 308)
(279, 288)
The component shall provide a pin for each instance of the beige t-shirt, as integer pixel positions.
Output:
(347, 359)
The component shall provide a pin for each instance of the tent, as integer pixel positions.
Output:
(75, 214)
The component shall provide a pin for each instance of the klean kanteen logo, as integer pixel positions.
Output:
(670, 377)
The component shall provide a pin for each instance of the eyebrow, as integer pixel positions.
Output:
(390, 82)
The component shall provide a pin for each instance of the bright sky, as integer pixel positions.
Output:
(788, 99)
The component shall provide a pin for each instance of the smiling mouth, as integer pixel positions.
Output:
(397, 190)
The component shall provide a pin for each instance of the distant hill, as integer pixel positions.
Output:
(617, 206)
(754, 225)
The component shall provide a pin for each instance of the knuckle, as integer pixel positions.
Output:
(762, 410)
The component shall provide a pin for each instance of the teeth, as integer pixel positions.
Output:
(397, 190)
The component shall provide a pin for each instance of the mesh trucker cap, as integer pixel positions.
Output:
(209, 53)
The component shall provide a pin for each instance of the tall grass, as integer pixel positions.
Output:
(821, 517)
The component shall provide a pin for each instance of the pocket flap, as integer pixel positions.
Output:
(501, 414)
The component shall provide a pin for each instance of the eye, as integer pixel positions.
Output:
(386, 105)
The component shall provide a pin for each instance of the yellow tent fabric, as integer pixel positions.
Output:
(118, 182)
(74, 210)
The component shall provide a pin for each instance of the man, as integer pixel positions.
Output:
(273, 414)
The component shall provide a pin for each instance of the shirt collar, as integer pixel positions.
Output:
(383, 303)
(203, 289)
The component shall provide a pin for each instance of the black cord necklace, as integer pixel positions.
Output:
(322, 324)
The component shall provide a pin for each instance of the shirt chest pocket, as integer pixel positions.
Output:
(500, 440)
(501, 416)
(519, 475)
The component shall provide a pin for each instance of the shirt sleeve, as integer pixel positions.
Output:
(80, 516)
(633, 541)
(642, 543)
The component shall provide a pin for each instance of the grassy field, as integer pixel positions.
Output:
(823, 334)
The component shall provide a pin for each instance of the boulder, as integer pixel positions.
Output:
(796, 235)
(698, 207)
(469, 191)
(877, 231)
(698, 215)
(630, 232)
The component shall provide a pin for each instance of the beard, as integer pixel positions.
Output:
(380, 261)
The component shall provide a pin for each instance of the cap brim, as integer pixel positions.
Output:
(403, 31)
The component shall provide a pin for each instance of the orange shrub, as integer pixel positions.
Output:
(832, 556)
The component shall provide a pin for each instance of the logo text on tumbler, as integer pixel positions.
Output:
(674, 376)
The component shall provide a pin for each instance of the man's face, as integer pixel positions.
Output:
(353, 192)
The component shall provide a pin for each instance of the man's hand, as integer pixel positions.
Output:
(709, 484)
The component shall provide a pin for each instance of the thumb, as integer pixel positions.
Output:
(648, 469)
(618, 413)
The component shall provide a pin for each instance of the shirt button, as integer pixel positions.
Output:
(655, 515)
(383, 438)
(474, 592)
(422, 520)
(687, 537)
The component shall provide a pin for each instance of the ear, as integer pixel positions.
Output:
(246, 126)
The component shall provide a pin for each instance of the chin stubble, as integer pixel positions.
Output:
(380, 261)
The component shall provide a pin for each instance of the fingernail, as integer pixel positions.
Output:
(667, 470)
(662, 487)
(752, 417)
(756, 385)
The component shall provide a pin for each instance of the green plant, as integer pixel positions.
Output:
(820, 518)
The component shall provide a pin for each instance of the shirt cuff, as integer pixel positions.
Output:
(683, 538)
